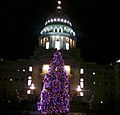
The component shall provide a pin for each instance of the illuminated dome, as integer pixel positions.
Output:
(58, 32)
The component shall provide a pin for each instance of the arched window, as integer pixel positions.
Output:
(61, 30)
(51, 29)
(65, 30)
(55, 29)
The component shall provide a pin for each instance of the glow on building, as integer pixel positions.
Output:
(45, 68)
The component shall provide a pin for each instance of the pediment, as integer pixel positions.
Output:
(42, 54)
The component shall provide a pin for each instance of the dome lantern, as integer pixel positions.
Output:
(59, 5)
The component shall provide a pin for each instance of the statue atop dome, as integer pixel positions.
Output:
(59, 7)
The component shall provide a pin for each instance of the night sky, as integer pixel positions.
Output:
(22, 20)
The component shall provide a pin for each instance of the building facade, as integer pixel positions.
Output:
(97, 84)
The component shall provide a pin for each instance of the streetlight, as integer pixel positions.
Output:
(78, 90)
(32, 87)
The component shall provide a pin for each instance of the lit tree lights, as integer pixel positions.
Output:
(55, 92)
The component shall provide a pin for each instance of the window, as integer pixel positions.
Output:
(55, 30)
(55, 19)
(30, 68)
(67, 68)
(101, 101)
(73, 43)
(11, 79)
(57, 44)
(51, 20)
(28, 91)
(45, 68)
(82, 83)
(61, 30)
(48, 21)
(41, 41)
(61, 20)
(65, 21)
(100, 83)
(23, 70)
(18, 70)
(81, 79)
(81, 71)
(29, 77)
(58, 19)
(67, 46)
(47, 45)
(81, 94)
(29, 80)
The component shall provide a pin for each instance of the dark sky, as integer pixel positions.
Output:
(22, 20)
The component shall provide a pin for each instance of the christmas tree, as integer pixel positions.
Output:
(55, 92)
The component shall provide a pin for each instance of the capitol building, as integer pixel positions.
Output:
(92, 82)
